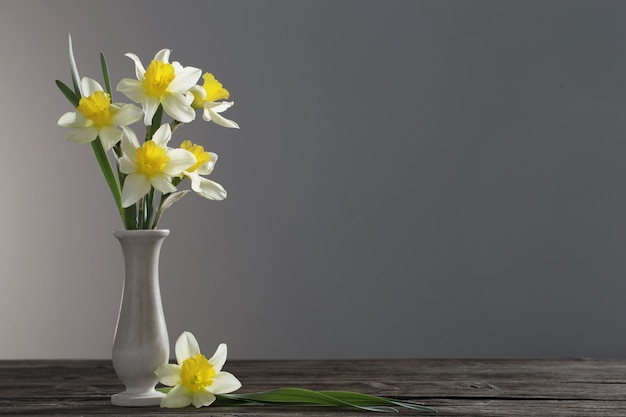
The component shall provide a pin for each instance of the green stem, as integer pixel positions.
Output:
(109, 176)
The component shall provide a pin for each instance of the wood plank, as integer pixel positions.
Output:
(569, 387)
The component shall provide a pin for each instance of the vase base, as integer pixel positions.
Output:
(146, 399)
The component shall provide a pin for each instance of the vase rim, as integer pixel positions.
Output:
(141, 232)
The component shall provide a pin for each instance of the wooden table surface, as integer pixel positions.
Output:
(570, 387)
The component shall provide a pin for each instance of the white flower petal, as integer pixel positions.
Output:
(163, 55)
(210, 115)
(139, 69)
(203, 398)
(218, 106)
(83, 134)
(126, 114)
(135, 187)
(131, 89)
(180, 160)
(129, 142)
(178, 397)
(162, 135)
(109, 136)
(89, 86)
(185, 79)
(178, 106)
(169, 374)
(219, 357)
(150, 106)
(224, 383)
(162, 183)
(127, 165)
(207, 188)
(207, 167)
(74, 120)
(198, 91)
(186, 347)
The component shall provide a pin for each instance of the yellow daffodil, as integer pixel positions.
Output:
(162, 83)
(205, 162)
(195, 379)
(151, 164)
(96, 115)
(206, 97)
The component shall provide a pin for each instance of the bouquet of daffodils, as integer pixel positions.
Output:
(148, 171)
(144, 186)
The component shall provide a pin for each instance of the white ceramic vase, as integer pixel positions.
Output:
(141, 342)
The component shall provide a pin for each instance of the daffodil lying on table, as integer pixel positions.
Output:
(196, 380)
(148, 167)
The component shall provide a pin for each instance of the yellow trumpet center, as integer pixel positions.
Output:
(97, 108)
(198, 151)
(213, 88)
(151, 159)
(197, 373)
(158, 77)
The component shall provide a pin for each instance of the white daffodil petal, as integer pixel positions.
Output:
(224, 383)
(135, 187)
(185, 79)
(74, 120)
(127, 165)
(109, 136)
(150, 106)
(162, 183)
(179, 107)
(219, 357)
(208, 189)
(218, 106)
(169, 374)
(203, 398)
(186, 347)
(89, 86)
(180, 160)
(162, 135)
(126, 114)
(131, 89)
(198, 91)
(207, 167)
(213, 116)
(139, 69)
(82, 135)
(178, 397)
(163, 55)
(129, 141)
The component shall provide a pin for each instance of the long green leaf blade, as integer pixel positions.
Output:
(68, 93)
(105, 74)
(299, 396)
(109, 176)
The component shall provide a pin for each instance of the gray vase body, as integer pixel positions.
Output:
(141, 342)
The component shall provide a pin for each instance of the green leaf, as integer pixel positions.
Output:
(105, 74)
(69, 94)
(109, 176)
(304, 397)
(156, 122)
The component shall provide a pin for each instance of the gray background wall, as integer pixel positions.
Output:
(411, 179)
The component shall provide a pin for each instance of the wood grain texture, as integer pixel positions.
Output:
(571, 387)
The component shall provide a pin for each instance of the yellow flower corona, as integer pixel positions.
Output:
(197, 373)
(151, 159)
(97, 108)
(213, 88)
(202, 157)
(158, 77)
